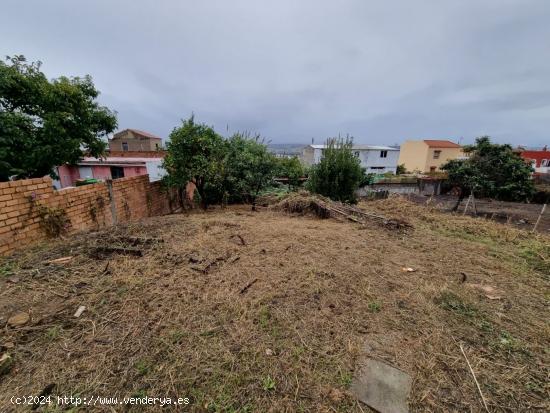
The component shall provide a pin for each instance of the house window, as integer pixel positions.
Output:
(383, 154)
(436, 154)
(377, 168)
(433, 168)
(545, 162)
(125, 146)
(117, 172)
(356, 153)
(157, 146)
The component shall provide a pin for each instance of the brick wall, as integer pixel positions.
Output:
(86, 207)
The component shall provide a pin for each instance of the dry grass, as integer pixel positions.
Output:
(270, 312)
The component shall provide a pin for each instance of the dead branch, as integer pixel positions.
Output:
(475, 379)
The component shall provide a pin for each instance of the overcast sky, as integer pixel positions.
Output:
(293, 70)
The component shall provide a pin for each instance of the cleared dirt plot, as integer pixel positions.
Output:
(267, 311)
(520, 215)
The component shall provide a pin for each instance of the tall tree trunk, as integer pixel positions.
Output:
(200, 190)
(460, 199)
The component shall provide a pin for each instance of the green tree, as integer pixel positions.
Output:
(45, 123)
(195, 153)
(292, 169)
(249, 167)
(491, 170)
(339, 173)
(401, 169)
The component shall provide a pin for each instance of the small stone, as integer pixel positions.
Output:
(79, 311)
(268, 352)
(19, 319)
(13, 280)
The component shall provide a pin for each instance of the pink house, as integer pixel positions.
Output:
(111, 167)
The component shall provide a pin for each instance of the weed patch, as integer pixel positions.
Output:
(452, 302)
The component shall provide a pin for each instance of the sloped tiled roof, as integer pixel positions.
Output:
(434, 143)
(140, 132)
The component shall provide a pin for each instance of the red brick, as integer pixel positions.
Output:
(16, 225)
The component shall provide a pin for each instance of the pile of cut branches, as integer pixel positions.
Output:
(304, 202)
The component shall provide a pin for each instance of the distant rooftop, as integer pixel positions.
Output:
(363, 147)
(139, 132)
(117, 160)
(434, 143)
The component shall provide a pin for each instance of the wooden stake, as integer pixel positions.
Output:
(538, 219)
(467, 203)
(475, 379)
(474, 204)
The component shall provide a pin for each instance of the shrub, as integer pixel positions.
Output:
(339, 174)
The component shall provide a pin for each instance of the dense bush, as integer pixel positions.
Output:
(339, 174)
(492, 170)
(234, 169)
(291, 169)
(195, 154)
(248, 167)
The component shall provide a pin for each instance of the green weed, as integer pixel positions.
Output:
(264, 317)
(374, 307)
(345, 378)
(6, 269)
(142, 367)
(53, 333)
(452, 302)
(268, 383)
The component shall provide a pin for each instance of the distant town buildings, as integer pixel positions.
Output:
(375, 159)
(539, 159)
(113, 166)
(131, 152)
(135, 140)
(428, 155)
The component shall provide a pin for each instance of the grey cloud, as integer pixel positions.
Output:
(296, 70)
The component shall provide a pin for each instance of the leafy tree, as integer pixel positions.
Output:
(339, 173)
(491, 170)
(195, 153)
(401, 169)
(249, 167)
(47, 123)
(292, 169)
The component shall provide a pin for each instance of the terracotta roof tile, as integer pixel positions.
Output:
(433, 143)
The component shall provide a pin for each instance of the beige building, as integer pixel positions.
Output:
(134, 140)
(428, 155)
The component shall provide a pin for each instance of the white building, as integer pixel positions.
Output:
(375, 159)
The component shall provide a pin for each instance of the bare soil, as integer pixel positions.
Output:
(520, 215)
(267, 312)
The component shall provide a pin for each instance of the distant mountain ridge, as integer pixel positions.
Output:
(286, 148)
